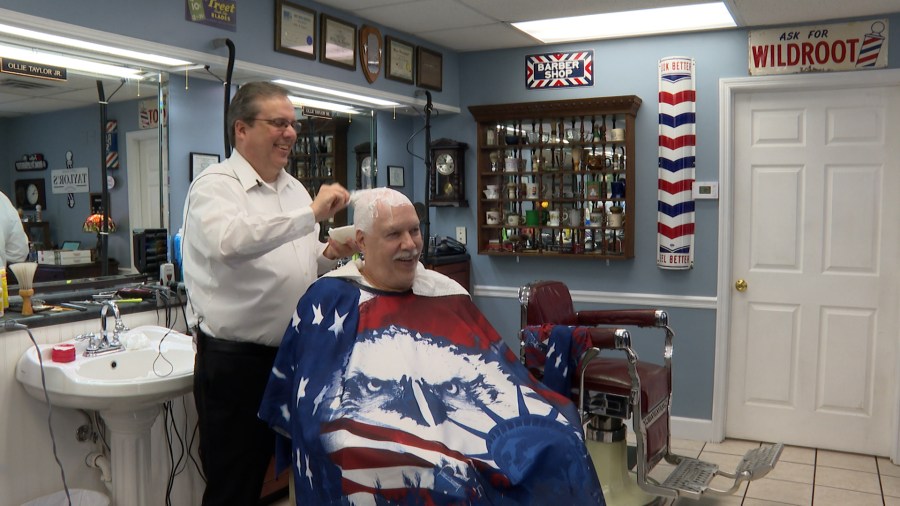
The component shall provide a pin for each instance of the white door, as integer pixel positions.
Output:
(143, 182)
(813, 338)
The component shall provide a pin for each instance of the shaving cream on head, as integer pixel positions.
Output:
(365, 205)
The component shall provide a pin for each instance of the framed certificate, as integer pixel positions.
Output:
(429, 69)
(295, 29)
(338, 44)
(400, 60)
(395, 176)
(200, 161)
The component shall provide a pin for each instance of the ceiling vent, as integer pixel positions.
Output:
(25, 85)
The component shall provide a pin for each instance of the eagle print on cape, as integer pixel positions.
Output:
(397, 398)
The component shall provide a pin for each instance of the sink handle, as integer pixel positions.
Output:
(82, 337)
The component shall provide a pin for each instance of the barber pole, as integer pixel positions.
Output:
(112, 144)
(677, 148)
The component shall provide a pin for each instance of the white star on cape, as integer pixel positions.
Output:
(295, 319)
(317, 310)
(338, 326)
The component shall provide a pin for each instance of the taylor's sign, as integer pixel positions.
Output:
(818, 48)
(29, 69)
(70, 180)
(559, 70)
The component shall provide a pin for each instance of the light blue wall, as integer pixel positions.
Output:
(78, 130)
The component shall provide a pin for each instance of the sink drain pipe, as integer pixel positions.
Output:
(97, 460)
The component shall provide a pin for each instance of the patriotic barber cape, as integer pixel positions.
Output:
(413, 398)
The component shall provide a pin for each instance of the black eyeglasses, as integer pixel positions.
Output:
(279, 123)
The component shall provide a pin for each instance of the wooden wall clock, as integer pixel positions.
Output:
(30, 193)
(448, 173)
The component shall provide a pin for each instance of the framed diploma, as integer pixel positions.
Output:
(338, 45)
(395, 176)
(429, 69)
(399, 61)
(200, 161)
(295, 29)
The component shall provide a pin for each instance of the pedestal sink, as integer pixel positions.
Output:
(126, 387)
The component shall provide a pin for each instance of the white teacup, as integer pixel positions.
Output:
(553, 218)
(490, 194)
(513, 220)
(492, 217)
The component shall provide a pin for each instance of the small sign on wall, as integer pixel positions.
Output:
(70, 180)
(819, 48)
(559, 70)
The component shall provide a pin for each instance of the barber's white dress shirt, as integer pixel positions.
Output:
(250, 250)
(13, 241)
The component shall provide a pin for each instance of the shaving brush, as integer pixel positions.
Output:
(24, 272)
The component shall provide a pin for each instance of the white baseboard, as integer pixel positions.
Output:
(695, 429)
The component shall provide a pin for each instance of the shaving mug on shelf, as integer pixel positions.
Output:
(553, 218)
(617, 134)
(531, 190)
(492, 217)
(490, 194)
(616, 217)
(512, 164)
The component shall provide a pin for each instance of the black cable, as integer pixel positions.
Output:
(12, 325)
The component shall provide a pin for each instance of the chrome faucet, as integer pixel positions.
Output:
(102, 342)
(120, 325)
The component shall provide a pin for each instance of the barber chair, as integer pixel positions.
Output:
(610, 390)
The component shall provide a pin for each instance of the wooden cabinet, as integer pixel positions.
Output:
(554, 178)
(320, 157)
(456, 267)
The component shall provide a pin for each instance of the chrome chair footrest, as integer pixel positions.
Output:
(759, 461)
(691, 477)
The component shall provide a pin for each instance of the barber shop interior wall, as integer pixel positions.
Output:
(396, 135)
(254, 38)
(76, 130)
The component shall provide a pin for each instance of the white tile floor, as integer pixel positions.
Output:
(803, 476)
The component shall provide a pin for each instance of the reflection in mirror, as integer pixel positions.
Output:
(324, 151)
(58, 122)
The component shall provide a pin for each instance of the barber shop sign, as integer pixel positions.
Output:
(559, 70)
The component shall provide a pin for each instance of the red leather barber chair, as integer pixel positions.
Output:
(612, 385)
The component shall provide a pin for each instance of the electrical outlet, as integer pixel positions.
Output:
(461, 234)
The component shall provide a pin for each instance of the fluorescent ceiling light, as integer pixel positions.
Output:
(90, 46)
(684, 18)
(321, 104)
(70, 63)
(336, 93)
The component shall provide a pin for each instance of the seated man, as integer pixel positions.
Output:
(395, 389)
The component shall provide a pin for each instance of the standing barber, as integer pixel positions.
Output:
(13, 241)
(250, 249)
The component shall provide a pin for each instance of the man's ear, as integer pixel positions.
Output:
(361, 241)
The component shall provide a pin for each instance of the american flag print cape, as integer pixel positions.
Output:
(398, 398)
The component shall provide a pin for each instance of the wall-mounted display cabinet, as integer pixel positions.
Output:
(553, 178)
(320, 157)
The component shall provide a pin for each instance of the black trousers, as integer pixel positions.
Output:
(235, 445)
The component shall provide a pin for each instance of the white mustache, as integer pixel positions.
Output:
(413, 255)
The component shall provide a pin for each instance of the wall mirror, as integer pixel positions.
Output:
(55, 125)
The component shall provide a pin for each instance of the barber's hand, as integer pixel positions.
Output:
(330, 199)
(336, 250)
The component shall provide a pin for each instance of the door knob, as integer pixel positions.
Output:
(740, 285)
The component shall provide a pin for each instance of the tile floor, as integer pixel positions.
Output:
(803, 476)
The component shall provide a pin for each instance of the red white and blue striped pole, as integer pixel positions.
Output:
(677, 159)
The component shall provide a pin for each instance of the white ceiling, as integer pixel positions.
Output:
(477, 25)
(20, 96)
